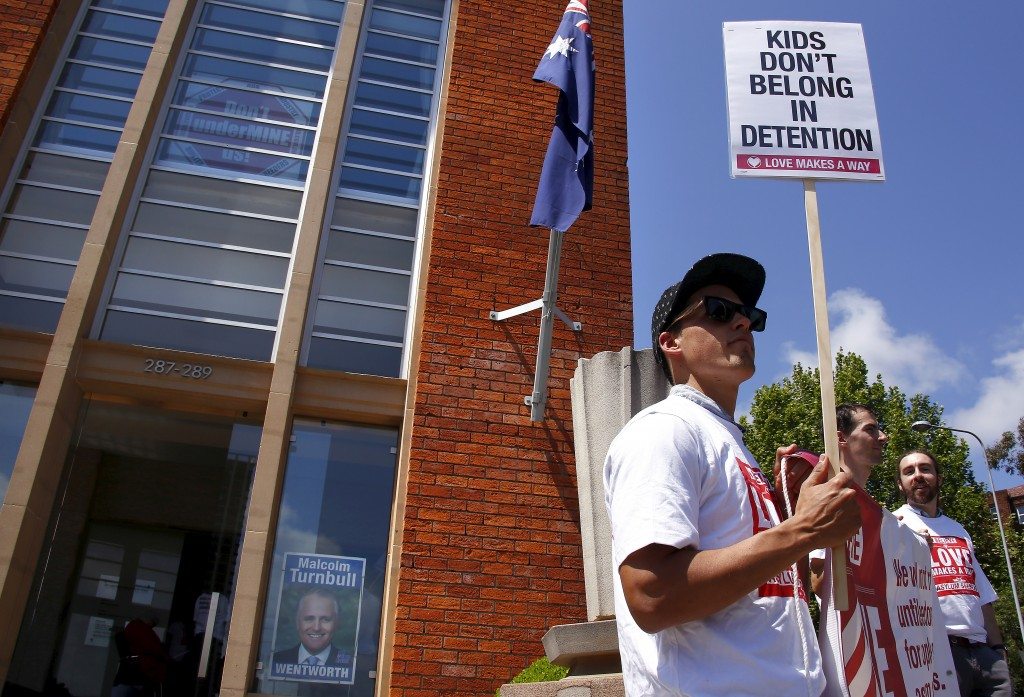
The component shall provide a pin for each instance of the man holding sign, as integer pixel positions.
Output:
(706, 595)
(861, 444)
(964, 592)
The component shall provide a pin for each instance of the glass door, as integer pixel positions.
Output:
(135, 593)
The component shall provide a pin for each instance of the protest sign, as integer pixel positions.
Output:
(800, 101)
(891, 639)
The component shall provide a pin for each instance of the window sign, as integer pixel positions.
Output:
(318, 618)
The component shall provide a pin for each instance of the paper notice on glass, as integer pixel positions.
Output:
(99, 631)
(143, 594)
(106, 587)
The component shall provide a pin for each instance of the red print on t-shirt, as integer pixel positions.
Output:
(953, 567)
(759, 496)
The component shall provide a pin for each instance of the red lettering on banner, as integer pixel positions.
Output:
(872, 667)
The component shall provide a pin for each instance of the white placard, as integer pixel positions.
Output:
(99, 631)
(800, 101)
(143, 594)
(106, 587)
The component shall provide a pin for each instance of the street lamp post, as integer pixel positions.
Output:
(921, 427)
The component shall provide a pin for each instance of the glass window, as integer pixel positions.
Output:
(238, 132)
(188, 335)
(264, 50)
(330, 10)
(221, 302)
(155, 8)
(218, 193)
(37, 202)
(331, 552)
(371, 250)
(81, 120)
(362, 284)
(362, 321)
(69, 171)
(120, 26)
(399, 23)
(233, 161)
(92, 78)
(382, 164)
(218, 228)
(430, 7)
(30, 313)
(270, 25)
(69, 136)
(15, 405)
(376, 96)
(396, 47)
(378, 217)
(380, 183)
(398, 73)
(246, 103)
(84, 107)
(378, 125)
(374, 153)
(96, 50)
(40, 239)
(36, 277)
(1019, 510)
(202, 262)
(355, 357)
(260, 76)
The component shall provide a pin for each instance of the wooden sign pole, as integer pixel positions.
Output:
(827, 379)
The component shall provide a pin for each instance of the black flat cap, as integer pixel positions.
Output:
(743, 275)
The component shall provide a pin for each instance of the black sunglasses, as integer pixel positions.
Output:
(722, 310)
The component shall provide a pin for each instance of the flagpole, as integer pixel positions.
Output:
(538, 400)
(826, 379)
(567, 177)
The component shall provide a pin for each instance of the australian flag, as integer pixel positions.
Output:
(567, 180)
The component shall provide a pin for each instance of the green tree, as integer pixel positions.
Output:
(789, 411)
(1008, 453)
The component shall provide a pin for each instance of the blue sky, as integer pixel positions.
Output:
(923, 271)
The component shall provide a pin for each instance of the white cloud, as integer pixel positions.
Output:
(859, 325)
(1000, 403)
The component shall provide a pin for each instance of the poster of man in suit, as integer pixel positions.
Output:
(318, 618)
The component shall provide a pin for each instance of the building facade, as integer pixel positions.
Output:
(248, 252)
(1011, 506)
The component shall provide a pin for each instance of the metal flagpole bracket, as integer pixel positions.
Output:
(549, 310)
(530, 307)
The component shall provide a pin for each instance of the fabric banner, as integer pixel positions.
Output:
(892, 640)
(567, 180)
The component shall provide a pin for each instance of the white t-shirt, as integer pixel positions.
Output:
(678, 474)
(960, 583)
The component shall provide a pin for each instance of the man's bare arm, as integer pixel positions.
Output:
(665, 586)
(995, 635)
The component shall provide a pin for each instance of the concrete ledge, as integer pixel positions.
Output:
(584, 686)
(586, 648)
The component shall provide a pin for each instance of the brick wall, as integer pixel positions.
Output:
(22, 23)
(492, 554)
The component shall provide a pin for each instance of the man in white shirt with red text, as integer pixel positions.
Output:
(706, 596)
(964, 593)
